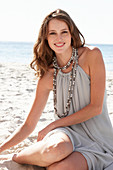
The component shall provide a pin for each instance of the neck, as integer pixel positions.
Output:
(63, 58)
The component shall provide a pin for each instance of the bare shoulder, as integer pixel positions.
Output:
(95, 61)
(93, 52)
(93, 55)
(89, 52)
(89, 57)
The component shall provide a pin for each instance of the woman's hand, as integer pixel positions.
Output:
(44, 132)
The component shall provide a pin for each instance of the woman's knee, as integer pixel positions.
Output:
(52, 152)
(56, 151)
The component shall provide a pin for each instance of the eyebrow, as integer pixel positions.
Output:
(61, 29)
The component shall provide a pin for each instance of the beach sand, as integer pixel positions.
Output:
(17, 92)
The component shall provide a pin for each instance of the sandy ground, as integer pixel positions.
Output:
(17, 92)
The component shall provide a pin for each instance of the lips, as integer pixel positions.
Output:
(59, 44)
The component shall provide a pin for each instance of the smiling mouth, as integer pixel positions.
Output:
(59, 44)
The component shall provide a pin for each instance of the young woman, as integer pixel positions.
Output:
(81, 136)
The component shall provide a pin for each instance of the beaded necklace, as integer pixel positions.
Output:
(74, 60)
(55, 64)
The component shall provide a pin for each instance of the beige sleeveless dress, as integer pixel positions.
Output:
(94, 137)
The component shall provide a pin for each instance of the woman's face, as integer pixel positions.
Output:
(59, 37)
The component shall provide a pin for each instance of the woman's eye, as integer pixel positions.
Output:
(64, 32)
(52, 33)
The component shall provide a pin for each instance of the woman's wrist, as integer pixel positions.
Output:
(51, 126)
(54, 124)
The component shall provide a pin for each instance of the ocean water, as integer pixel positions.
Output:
(22, 52)
(19, 52)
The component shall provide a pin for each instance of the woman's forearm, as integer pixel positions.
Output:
(18, 136)
(82, 115)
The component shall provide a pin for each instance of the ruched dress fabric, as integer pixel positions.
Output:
(94, 137)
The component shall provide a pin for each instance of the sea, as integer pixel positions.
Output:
(22, 52)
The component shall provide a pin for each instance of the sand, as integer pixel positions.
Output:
(17, 92)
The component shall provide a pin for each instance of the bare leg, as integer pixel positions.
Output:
(46, 152)
(75, 161)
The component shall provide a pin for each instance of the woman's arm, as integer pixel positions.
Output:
(42, 93)
(97, 75)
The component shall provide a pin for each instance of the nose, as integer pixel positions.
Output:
(59, 37)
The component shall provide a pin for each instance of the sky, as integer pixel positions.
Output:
(20, 20)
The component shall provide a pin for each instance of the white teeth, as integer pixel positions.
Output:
(59, 45)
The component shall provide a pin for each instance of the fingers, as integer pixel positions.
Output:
(40, 137)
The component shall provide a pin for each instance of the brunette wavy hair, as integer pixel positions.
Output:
(43, 54)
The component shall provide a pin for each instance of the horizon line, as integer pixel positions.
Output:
(12, 41)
